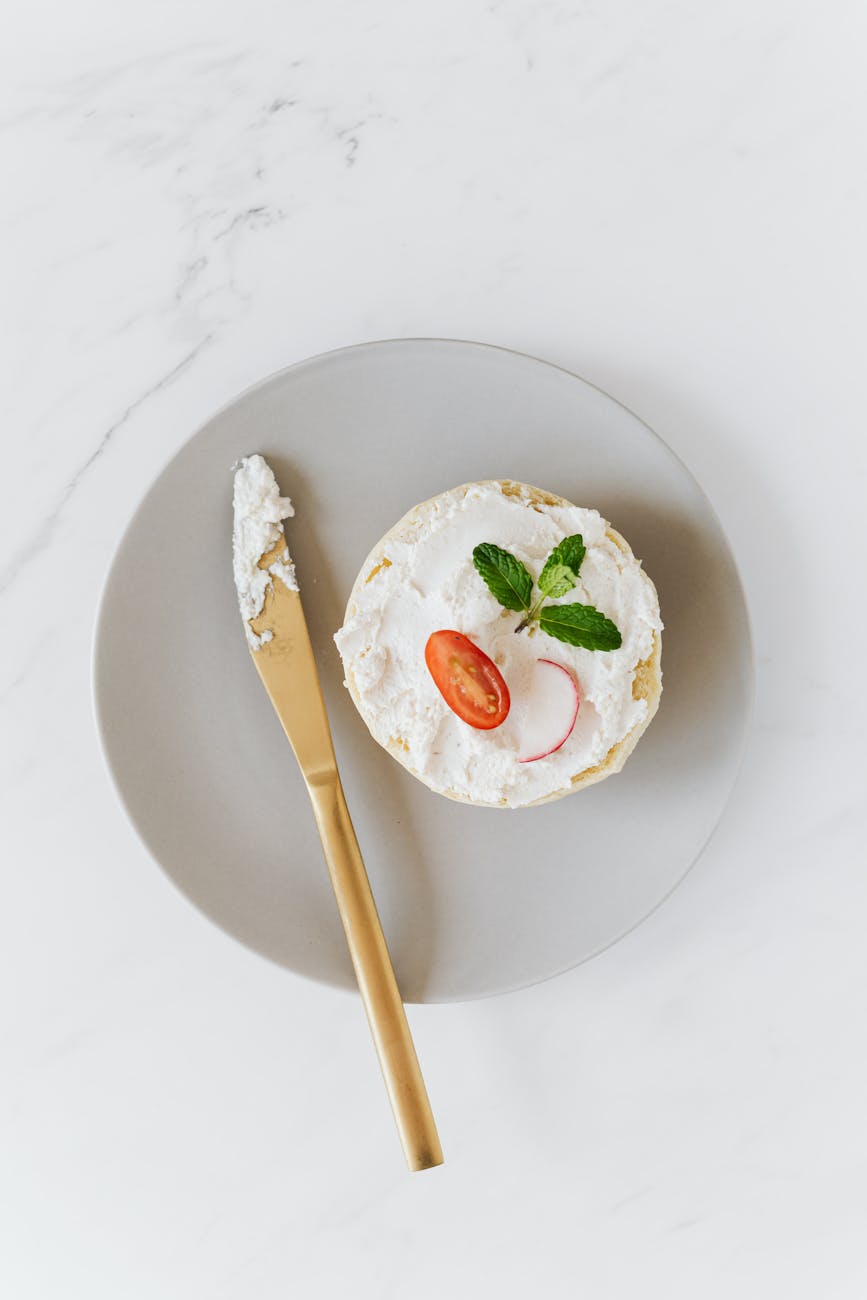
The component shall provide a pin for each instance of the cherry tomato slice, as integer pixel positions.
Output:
(470, 683)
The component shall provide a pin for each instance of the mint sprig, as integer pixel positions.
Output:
(510, 583)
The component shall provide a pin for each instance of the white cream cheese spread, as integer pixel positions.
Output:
(259, 514)
(425, 580)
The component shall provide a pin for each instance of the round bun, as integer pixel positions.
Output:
(647, 679)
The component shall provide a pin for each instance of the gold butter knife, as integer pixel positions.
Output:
(287, 668)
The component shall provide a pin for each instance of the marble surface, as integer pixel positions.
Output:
(667, 198)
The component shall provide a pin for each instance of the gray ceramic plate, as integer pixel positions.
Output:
(473, 901)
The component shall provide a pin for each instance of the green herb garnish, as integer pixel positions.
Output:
(506, 577)
(581, 625)
(510, 583)
(560, 573)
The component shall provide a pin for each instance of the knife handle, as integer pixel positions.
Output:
(375, 975)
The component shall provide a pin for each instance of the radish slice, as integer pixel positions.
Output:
(549, 711)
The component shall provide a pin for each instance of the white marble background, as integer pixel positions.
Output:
(668, 198)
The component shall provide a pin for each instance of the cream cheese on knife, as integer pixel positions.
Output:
(258, 528)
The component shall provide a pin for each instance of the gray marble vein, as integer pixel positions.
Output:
(42, 536)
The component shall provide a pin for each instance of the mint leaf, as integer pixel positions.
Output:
(581, 625)
(556, 579)
(560, 573)
(507, 579)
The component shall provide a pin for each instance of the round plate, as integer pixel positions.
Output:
(473, 901)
